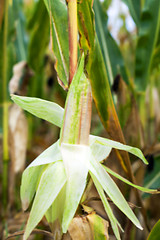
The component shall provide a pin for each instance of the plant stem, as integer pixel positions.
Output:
(5, 107)
(73, 30)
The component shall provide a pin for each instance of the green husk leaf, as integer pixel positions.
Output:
(110, 143)
(100, 152)
(113, 220)
(112, 190)
(29, 182)
(50, 155)
(51, 183)
(76, 124)
(75, 158)
(55, 212)
(46, 110)
(33, 172)
(143, 189)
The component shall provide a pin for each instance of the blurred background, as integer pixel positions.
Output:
(27, 68)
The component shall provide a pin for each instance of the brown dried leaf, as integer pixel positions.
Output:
(18, 130)
(133, 130)
(88, 227)
(20, 78)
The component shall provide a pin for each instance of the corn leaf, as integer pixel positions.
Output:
(59, 32)
(55, 212)
(112, 190)
(99, 151)
(143, 189)
(29, 182)
(75, 158)
(113, 220)
(33, 172)
(50, 155)
(111, 53)
(152, 178)
(110, 143)
(39, 25)
(98, 75)
(147, 37)
(135, 9)
(85, 25)
(51, 182)
(155, 233)
(49, 111)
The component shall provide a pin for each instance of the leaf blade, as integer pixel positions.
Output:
(112, 190)
(147, 37)
(33, 172)
(46, 110)
(48, 189)
(143, 189)
(155, 233)
(114, 61)
(137, 152)
(59, 31)
(108, 209)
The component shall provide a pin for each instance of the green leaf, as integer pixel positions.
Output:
(55, 212)
(51, 182)
(100, 152)
(135, 9)
(111, 53)
(33, 172)
(50, 155)
(110, 143)
(39, 26)
(59, 33)
(46, 110)
(112, 190)
(77, 116)
(152, 178)
(143, 189)
(113, 220)
(103, 99)
(147, 37)
(97, 74)
(155, 232)
(99, 227)
(29, 182)
(85, 24)
(75, 158)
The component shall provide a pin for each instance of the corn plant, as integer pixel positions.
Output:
(60, 172)
(57, 178)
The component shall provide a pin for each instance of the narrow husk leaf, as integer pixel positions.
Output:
(51, 183)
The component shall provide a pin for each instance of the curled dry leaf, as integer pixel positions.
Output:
(18, 126)
(88, 228)
(18, 129)
(20, 78)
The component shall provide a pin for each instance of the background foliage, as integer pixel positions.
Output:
(125, 78)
